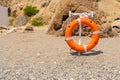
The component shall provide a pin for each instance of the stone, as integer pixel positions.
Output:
(38, 54)
(2, 31)
(29, 28)
(116, 25)
(12, 30)
(107, 31)
(2, 27)
(93, 79)
(32, 77)
(45, 3)
(106, 27)
(113, 33)
(119, 72)
(72, 79)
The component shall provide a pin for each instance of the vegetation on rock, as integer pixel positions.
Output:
(11, 20)
(30, 10)
(37, 22)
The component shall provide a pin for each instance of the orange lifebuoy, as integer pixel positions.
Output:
(91, 44)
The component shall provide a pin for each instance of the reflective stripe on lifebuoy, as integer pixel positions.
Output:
(91, 44)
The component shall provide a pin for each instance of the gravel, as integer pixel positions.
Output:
(38, 56)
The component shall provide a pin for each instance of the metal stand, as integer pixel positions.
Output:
(81, 15)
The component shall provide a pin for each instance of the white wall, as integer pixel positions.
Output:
(4, 16)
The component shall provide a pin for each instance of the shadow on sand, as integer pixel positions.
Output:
(90, 53)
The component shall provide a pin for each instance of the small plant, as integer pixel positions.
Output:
(25, 23)
(30, 11)
(37, 22)
(11, 20)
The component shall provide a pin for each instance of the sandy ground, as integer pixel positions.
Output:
(38, 56)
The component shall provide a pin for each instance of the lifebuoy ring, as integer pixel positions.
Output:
(91, 44)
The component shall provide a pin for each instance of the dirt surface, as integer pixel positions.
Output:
(38, 56)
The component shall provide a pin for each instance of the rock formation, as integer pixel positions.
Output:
(55, 13)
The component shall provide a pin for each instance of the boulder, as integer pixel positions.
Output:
(113, 33)
(106, 27)
(116, 25)
(107, 31)
(29, 28)
(61, 19)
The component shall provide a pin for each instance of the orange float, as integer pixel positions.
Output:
(95, 37)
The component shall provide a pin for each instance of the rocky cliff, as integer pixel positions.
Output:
(47, 7)
(55, 12)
